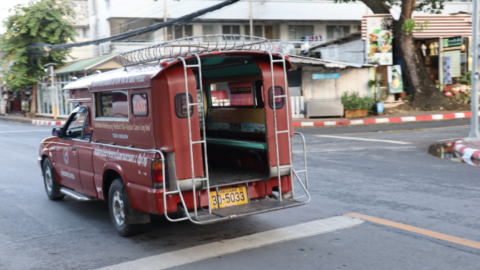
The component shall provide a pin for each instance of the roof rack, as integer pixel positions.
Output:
(195, 44)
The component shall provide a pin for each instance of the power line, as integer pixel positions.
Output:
(142, 30)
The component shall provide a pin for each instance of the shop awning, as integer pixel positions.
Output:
(439, 25)
(108, 61)
(296, 60)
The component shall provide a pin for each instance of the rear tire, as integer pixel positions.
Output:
(50, 180)
(118, 204)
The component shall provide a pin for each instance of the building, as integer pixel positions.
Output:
(82, 26)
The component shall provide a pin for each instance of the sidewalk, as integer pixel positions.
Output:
(38, 120)
(380, 119)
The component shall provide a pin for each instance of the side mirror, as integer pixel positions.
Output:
(57, 132)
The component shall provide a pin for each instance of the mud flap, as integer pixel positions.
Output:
(133, 216)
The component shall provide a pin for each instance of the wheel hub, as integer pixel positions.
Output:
(48, 180)
(118, 208)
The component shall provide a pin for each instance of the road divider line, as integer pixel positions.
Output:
(361, 139)
(212, 250)
(401, 226)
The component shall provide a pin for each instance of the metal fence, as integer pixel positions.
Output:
(48, 97)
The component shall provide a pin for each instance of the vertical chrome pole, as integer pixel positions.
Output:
(251, 20)
(474, 95)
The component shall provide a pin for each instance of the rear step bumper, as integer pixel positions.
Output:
(238, 211)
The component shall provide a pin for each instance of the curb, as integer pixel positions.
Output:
(385, 120)
(47, 123)
(466, 152)
(17, 120)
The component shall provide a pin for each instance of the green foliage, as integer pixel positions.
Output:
(353, 101)
(411, 25)
(45, 22)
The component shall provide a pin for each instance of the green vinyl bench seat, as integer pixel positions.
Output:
(238, 143)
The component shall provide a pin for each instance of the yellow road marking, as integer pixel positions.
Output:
(441, 236)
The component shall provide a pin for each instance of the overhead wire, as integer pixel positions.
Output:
(139, 31)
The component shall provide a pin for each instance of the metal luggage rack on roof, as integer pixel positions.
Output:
(197, 44)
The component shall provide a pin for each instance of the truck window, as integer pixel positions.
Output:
(279, 102)
(181, 105)
(112, 104)
(75, 127)
(139, 104)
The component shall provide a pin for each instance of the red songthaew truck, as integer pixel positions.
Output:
(157, 138)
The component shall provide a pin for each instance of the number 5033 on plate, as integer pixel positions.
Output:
(228, 197)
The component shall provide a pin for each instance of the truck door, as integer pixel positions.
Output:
(67, 164)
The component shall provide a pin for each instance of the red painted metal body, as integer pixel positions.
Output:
(89, 166)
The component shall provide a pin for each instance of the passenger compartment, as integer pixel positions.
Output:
(236, 145)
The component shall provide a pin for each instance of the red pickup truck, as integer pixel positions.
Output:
(153, 139)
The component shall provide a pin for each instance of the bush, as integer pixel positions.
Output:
(353, 101)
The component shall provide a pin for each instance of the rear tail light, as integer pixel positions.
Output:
(157, 173)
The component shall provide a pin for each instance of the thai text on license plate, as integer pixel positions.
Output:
(228, 197)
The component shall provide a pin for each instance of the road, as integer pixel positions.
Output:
(382, 171)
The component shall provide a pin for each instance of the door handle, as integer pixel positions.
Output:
(74, 148)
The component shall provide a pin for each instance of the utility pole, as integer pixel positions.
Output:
(165, 19)
(251, 20)
(474, 96)
(53, 92)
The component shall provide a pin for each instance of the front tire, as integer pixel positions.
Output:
(118, 204)
(50, 180)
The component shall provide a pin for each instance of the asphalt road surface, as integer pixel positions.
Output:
(382, 171)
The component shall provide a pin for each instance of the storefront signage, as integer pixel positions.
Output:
(452, 42)
(395, 81)
(323, 76)
(379, 44)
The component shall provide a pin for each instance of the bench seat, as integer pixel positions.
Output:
(238, 143)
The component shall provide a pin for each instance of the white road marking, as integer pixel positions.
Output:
(203, 252)
(25, 130)
(361, 139)
(451, 139)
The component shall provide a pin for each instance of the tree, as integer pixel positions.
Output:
(39, 22)
(425, 94)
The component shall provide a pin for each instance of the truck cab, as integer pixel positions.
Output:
(205, 132)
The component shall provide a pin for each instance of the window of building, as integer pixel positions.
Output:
(230, 30)
(179, 31)
(207, 30)
(139, 104)
(257, 30)
(112, 104)
(298, 32)
(337, 31)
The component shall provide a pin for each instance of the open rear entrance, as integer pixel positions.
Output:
(235, 120)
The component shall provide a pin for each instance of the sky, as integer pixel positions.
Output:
(4, 7)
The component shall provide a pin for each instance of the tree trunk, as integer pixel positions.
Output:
(377, 6)
(425, 94)
(33, 106)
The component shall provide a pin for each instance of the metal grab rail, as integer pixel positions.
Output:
(187, 46)
(302, 171)
(191, 143)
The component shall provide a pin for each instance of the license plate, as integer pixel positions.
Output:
(228, 197)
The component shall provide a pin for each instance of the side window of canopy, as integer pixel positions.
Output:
(112, 104)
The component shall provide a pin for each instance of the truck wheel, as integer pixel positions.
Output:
(51, 185)
(117, 203)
